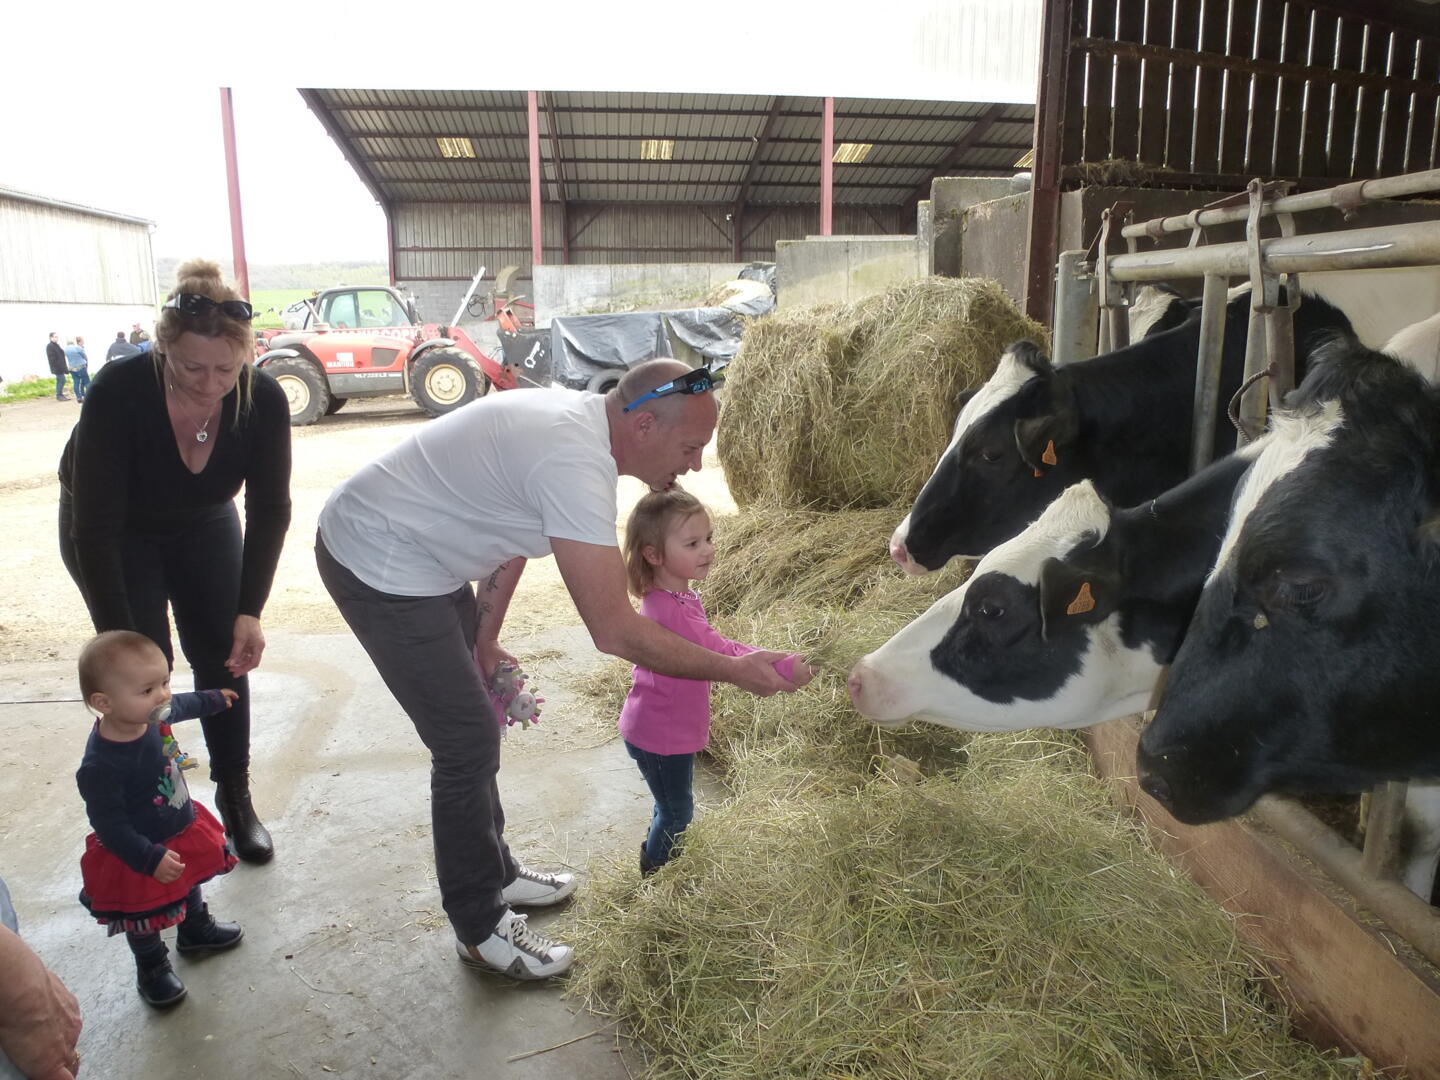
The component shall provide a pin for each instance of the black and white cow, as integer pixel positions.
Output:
(1311, 662)
(1068, 624)
(1122, 419)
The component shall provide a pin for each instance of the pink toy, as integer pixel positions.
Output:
(513, 703)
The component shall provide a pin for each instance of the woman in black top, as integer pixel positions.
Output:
(165, 442)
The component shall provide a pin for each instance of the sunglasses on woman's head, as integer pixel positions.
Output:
(692, 382)
(189, 303)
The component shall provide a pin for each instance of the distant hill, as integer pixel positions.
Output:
(306, 276)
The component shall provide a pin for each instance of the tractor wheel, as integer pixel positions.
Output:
(336, 404)
(305, 389)
(604, 382)
(445, 379)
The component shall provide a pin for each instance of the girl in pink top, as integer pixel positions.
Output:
(666, 720)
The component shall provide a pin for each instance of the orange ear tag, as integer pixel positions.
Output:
(1083, 601)
(1049, 457)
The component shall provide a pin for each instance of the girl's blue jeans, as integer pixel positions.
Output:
(670, 778)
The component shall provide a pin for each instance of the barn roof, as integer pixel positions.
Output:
(419, 146)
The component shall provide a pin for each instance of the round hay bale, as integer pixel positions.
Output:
(848, 406)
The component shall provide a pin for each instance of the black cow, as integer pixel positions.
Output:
(1310, 664)
(1122, 419)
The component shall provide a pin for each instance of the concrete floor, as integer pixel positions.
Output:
(347, 968)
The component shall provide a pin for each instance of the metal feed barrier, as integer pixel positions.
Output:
(1268, 263)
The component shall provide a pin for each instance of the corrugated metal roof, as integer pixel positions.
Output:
(722, 143)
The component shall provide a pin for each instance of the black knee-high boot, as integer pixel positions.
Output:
(232, 799)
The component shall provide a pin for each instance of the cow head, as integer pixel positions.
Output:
(1032, 639)
(1012, 451)
(1309, 663)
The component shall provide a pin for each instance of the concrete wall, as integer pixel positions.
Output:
(950, 198)
(992, 242)
(591, 290)
(841, 269)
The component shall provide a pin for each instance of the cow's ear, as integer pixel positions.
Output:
(1030, 355)
(1042, 440)
(1071, 593)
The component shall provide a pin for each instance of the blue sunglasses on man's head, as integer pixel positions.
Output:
(692, 382)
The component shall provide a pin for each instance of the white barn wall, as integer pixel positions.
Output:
(70, 269)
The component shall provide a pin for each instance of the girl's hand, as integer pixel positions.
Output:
(489, 656)
(169, 869)
(230, 697)
(248, 648)
(801, 673)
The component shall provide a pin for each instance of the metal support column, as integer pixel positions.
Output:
(1075, 310)
(827, 166)
(537, 247)
(1207, 372)
(232, 183)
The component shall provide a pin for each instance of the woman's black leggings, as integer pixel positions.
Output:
(195, 571)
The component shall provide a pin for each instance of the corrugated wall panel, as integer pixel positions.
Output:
(449, 242)
(52, 255)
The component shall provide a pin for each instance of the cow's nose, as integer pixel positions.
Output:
(855, 685)
(1158, 788)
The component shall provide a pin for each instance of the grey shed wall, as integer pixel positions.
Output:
(439, 246)
(61, 255)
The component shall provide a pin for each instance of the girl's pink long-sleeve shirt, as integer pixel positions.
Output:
(666, 715)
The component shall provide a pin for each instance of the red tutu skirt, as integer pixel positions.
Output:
(129, 901)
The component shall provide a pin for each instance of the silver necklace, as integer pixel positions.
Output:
(201, 432)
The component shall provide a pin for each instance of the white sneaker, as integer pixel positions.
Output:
(531, 888)
(515, 950)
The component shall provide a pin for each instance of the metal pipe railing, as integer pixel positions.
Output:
(1345, 196)
(1415, 244)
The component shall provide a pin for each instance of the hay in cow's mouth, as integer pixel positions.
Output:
(847, 406)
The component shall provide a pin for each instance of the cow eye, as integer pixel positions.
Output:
(988, 609)
(1295, 593)
(989, 455)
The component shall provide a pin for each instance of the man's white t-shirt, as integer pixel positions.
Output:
(496, 479)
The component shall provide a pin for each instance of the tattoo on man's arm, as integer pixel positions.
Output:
(494, 581)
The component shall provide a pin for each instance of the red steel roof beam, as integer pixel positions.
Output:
(232, 183)
(537, 247)
(827, 166)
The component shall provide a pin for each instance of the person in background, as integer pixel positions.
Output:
(120, 349)
(138, 334)
(153, 846)
(665, 721)
(55, 357)
(39, 1018)
(148, 522)
(79, 366)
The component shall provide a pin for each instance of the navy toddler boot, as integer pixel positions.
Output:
(156, 979)
(200, 933)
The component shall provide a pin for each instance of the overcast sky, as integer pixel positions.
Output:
(119, 107)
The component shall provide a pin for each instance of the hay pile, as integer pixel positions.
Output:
(848, 406)
(896, 905)
(995, 921)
